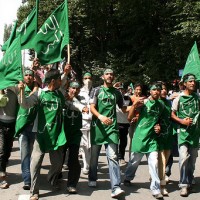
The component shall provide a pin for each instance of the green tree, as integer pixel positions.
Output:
(7, 31)
(142, 40)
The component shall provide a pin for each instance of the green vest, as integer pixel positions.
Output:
(189, 107)
(51, 133)
(25, 116)
(145, 138)
(107, 99)
(165, 138)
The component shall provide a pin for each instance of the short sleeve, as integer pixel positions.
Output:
(93, 95)
(120, 100)
(175, 104)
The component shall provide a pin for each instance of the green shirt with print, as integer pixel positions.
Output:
(145, 138)
(189, 107)
(106, 100)
(25, 116)
(165, 138)
(51, 133)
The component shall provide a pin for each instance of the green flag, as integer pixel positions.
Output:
(11, 65)
(8, 42)
(53, 36)
(28, 29)
(193, 63)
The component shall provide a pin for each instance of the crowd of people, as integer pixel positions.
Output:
(51, 112)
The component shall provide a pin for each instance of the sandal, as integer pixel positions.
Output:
(4, 185)
(34, 197)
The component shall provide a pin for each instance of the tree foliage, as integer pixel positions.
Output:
(7, 31)
(142, 40)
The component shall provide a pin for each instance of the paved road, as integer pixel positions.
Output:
(138, 191)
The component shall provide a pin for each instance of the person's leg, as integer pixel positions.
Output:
(3, 182)
(95, 151)
(26, 141)
(193, 152)
(132, 166)
(25, 157)
(2, 152)
(114, 169)
(123, 132)
(86, 158)
(36, 162)
(56, 160)
(9, 136)
(6, 143)
(85, 150)
(74, 166)
(183, 165)
(152, 158)
(162, 160)
(169, 165)
(131, 131)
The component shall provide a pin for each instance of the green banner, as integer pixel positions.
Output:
(193, 63)
(11, 65)
(28, 30)
(53, 36)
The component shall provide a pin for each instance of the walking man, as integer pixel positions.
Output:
(185, 112)
(50, 135)
(104, 130)
(144, 141)
(23, 130)
(85, 146)
(8, 112)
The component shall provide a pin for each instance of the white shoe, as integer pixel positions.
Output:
(117, 193)
(92, 183)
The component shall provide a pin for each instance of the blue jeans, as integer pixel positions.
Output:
(187, 160)
(152, 159)
(114, 169)
(26, 141)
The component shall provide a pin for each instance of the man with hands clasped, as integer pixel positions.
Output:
(144, 141)
(104, 130)
(185, 112)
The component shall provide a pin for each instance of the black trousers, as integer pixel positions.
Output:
(6, 142)
(73, 164)
(123, 132)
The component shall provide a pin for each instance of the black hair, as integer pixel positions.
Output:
(137, 85)
(185, 77)
(52, 74)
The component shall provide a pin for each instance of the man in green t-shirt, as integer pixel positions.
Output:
(104, 130)
(144, 141)
(48, 124)
(185, 112)
(24, 127)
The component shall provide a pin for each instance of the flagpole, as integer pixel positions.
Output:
(23, 63)
(68, 54)
(37, 7)
(21, 90)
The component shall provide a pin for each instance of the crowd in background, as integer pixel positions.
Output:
(51, 112)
